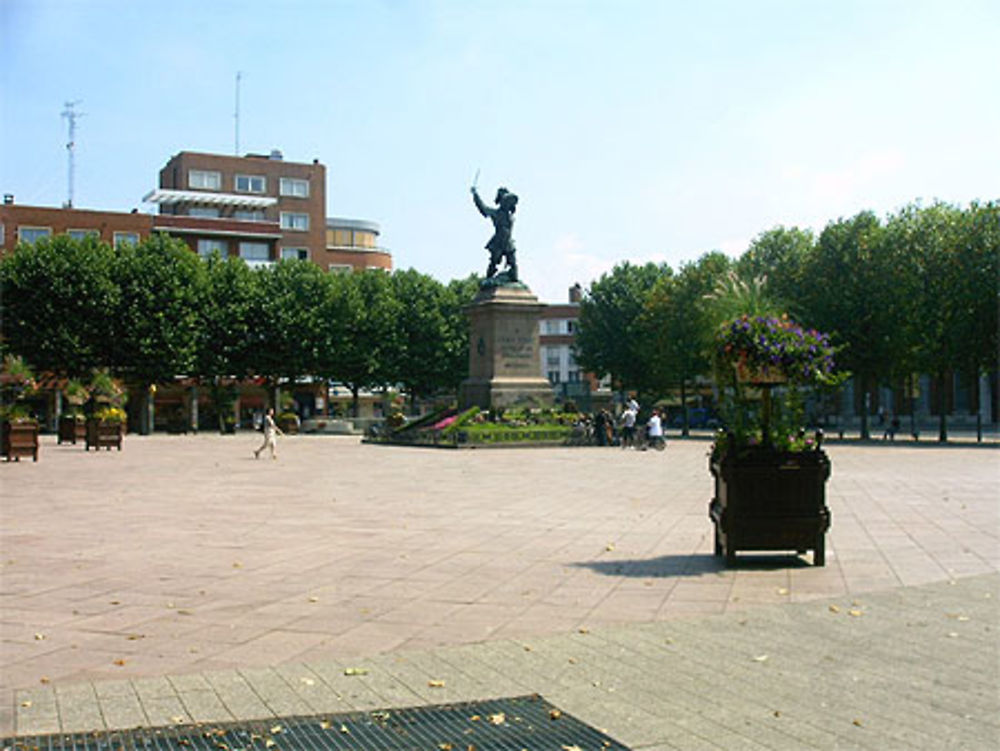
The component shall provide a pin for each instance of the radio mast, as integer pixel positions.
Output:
(71, 116)
(236, 113)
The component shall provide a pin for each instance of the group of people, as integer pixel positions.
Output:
(627, 431)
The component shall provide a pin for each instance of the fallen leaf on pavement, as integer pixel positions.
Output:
(26, 703)
(497, 719)
(857, 723)
(308, 681)
(119, 662)
(554, 714)
(355, 671)
(855, 613)
(834, 609)
(782, 591)
(760, 658)
(39, 637)
(435, 683)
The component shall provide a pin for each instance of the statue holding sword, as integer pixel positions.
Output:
(501, 245)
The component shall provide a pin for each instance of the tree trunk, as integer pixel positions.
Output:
(865, 431)
(355, 401)
(942, 401)
(684, 409)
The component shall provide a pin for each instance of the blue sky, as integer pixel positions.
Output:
(631, 130)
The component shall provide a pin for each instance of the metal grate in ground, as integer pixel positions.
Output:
(524, 722)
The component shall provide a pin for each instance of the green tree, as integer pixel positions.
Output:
(458, 294)
(956, 313)
(154, 333)
(423, 359)
(58, 299)
(288, 338)
(779, 255)
(613, 335)
(866, 312)
(227, 329)
(678, 319)
(370, 311)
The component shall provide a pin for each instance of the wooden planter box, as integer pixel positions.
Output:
(769, 500)
(72, 430)
(20, 439)
(103, 435)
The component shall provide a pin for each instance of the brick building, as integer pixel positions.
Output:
(259, 208)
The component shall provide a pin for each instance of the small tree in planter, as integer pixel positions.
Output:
(72, 423)
(769, 476)
(19, 427)
(106, 422)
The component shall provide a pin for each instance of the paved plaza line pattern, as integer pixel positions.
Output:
(182, 579)
(913, 668)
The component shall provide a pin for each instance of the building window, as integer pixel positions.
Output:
(341, 268)
(255, 251)
(570, 327)
(294, 220)
(343, 238)
(204, 179)
(207, 247)
(574, 376)
(33, 234)
(126, 238)
(295, 254)
(553, 359)
(552, 327)
(291, 186)
(82, 234)
(251, 183)
(553, 376)
(210, 212)
(249, 216)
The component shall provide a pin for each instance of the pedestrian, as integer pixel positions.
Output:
(628, 427)
(271, 432)
(891, 429)
(600, 429)
(654, 430)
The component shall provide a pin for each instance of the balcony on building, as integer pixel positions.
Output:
(352, 244)
(229, 224)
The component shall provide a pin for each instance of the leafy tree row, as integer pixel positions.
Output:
(915, 292)
(155, 311)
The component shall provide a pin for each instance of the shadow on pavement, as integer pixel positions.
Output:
(688, 565)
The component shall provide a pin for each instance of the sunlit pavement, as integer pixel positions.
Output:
(182, 580)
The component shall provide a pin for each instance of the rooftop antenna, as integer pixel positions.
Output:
(71, 115)
(236, 113)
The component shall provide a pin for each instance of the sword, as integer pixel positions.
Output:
(475, 180)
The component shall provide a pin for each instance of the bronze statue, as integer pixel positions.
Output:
(501, 245)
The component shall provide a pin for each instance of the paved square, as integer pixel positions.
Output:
(181, 565)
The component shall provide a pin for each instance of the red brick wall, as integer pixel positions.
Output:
(106, 223)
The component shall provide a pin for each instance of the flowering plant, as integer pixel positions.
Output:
(768, 349)
(110, 415)
(755, 354)
(17, 383)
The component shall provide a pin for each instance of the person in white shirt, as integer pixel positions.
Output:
(654, 429)
(271, 432)
(628, 428)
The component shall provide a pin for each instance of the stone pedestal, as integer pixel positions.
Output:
(504, 365)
